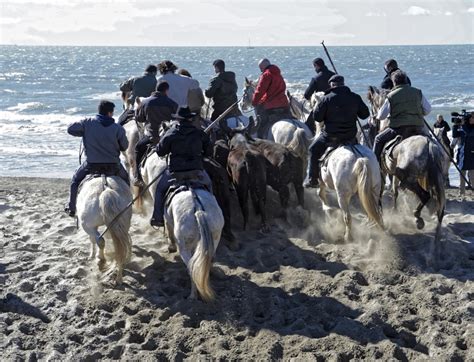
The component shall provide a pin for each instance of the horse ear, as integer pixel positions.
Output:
(247, 82)
(370, 94)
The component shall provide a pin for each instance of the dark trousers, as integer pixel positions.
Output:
(140, 150)
(389, 134)
(316, 151)
(109, 169)
(165, 181)
(268, 117)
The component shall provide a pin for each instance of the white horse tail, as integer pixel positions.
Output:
(369, 193)
(110, 207)
(201, 262)
(299, 143)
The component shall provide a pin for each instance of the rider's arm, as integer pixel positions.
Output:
(127, 86)
(363, 111)
(262, 87)
(76, 129)
(310, 90)
(214, 85)
(140, 115)
(425, 105)
(206, 145)
(164, 147)
(122, 139)
(384, 111)
(319, 113)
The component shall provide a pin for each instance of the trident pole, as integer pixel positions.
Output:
(335, 71)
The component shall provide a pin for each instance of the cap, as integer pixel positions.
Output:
(336, 78)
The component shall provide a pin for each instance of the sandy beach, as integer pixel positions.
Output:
(295, 293)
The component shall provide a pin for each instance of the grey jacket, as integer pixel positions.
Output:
(103, 138)
(141, 86)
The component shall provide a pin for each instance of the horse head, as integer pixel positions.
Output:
(249, 89)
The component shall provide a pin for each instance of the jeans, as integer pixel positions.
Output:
(140, 150)
(165, 181)
(316, 151)
(109, 169)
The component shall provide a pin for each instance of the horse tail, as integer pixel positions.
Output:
(299, 143)
(110, 207)
(369, 193)
(201, 262)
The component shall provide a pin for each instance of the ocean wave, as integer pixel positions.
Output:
(100, 96)
(36, 151)
(463, 101)
(20, 107)
(48, 118)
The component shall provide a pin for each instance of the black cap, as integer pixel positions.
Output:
(184, 113)
(336, 78)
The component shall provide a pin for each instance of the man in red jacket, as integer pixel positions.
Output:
(270, 98)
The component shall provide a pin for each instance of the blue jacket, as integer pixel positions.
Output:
(319, 83)
(465, 154)
(154, 110)
(103, 138)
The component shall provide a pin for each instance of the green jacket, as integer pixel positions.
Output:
(405, 106)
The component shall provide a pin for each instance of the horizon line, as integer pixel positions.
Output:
(231, 46)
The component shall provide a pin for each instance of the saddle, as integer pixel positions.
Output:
(184, 181)
(334, 145)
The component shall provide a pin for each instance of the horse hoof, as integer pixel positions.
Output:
(101, 265)
(172, 248)
(420, 223)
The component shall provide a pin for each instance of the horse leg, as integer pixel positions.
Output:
(395, 184)
(343, 201)
(172, 248)
(284, 194)
(423, 195)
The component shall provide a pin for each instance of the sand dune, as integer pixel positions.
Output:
(294, 293)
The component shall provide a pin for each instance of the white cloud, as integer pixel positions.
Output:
(470, 10)
(9, 21)
(376, 14)
(448, 13)
(416, 10)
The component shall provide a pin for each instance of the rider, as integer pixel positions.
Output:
(141, 86)
(405, 106)
(153, 110)
(441, 123)
(339, 109)
(103, 140)
(270, 97)
(223, 91)
(186, 145)
(320, 82)
(180, 85)
(390, 67)
(195, 96)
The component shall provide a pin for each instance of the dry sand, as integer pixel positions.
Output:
(294, 293)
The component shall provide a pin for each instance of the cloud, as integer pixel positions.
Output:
(376, 14)
(9, 21)
(470, 10)
(448, 13)
(416, 11)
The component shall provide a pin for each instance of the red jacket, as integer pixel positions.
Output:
(270, 91)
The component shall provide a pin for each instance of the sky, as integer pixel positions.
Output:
(236, 22)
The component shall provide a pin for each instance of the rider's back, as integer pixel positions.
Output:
(103, 138)
(405, 106)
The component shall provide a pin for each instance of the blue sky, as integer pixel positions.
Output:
(234, 22)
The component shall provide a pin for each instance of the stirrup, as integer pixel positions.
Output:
(69, 212)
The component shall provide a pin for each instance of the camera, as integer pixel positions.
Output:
(460, 117)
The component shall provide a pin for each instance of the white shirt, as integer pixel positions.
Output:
(179, 87)
(384, 112)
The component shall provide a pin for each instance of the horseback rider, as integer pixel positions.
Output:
(180, 85)
(405, 106)
(141, 86)
(320, 82)
(153, 111)
(270, 98)
(186, 145)
(103, 140)
(195, 96)
(223, 91)
(339, 109)
(390, 67)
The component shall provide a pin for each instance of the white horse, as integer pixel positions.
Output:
(350, 170)
(289, 132)
(99, 201)
(194, 222)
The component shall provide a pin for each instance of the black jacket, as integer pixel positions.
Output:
(387, 82)
(444, 125)
(465, 154)
(154, 110)
(186, 145)
(223, 91)
(339, 110)
(319, 83)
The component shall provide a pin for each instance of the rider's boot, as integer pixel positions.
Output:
(138, 180)
(312, 178)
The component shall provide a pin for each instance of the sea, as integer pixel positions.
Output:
(45, 88)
